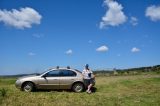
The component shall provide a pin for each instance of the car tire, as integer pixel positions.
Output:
(28, 87)
(78, 87)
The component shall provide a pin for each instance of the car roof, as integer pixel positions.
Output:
(60, 68)
(64, 68)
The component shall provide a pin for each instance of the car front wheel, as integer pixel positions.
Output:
(78, 87)
(28, 87)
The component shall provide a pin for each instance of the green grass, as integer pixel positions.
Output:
(137, 90)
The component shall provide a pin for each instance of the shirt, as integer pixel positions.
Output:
(87, 73)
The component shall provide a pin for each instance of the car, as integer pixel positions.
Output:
(54, 78)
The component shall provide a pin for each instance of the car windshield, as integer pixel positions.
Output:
(43, 72)
(78, 71)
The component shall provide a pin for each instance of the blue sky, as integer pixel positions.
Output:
(36, 35)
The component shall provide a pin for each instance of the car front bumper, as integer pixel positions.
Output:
(18, 84)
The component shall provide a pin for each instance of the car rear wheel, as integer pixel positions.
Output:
(28, 87)
(78, 87)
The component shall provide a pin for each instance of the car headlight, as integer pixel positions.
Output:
(18, 82)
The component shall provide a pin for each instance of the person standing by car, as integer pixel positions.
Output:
(88, 75)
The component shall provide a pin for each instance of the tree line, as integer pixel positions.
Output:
(130, 71)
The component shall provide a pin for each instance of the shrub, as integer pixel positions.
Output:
(3, 92)
(115, 73)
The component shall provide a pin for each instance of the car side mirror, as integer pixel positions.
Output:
(44, 76)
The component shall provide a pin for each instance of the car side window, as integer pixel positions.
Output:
(54, 73)
(65, 73)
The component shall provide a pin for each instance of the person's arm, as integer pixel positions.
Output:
(92, 75)
(83, 73)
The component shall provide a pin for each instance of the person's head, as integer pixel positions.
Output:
(86, 66)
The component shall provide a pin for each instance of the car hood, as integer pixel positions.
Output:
(29, 76)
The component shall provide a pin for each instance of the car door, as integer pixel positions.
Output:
(50, 80)
(67, 78)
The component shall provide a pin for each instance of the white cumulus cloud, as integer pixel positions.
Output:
(114, 15)
(69, 52)
(90, 41)
(102, 49)
(38, 35)
(31, 54)
(23, 18)
(134, 21)
(153, 12)
(135, 49)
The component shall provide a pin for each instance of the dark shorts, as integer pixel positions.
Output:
(88, 82)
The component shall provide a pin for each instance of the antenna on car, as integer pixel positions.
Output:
(57, 67)
(68, 67)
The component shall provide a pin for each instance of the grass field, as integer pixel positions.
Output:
(137, 90)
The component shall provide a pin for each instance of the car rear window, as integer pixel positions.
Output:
(68, 73)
